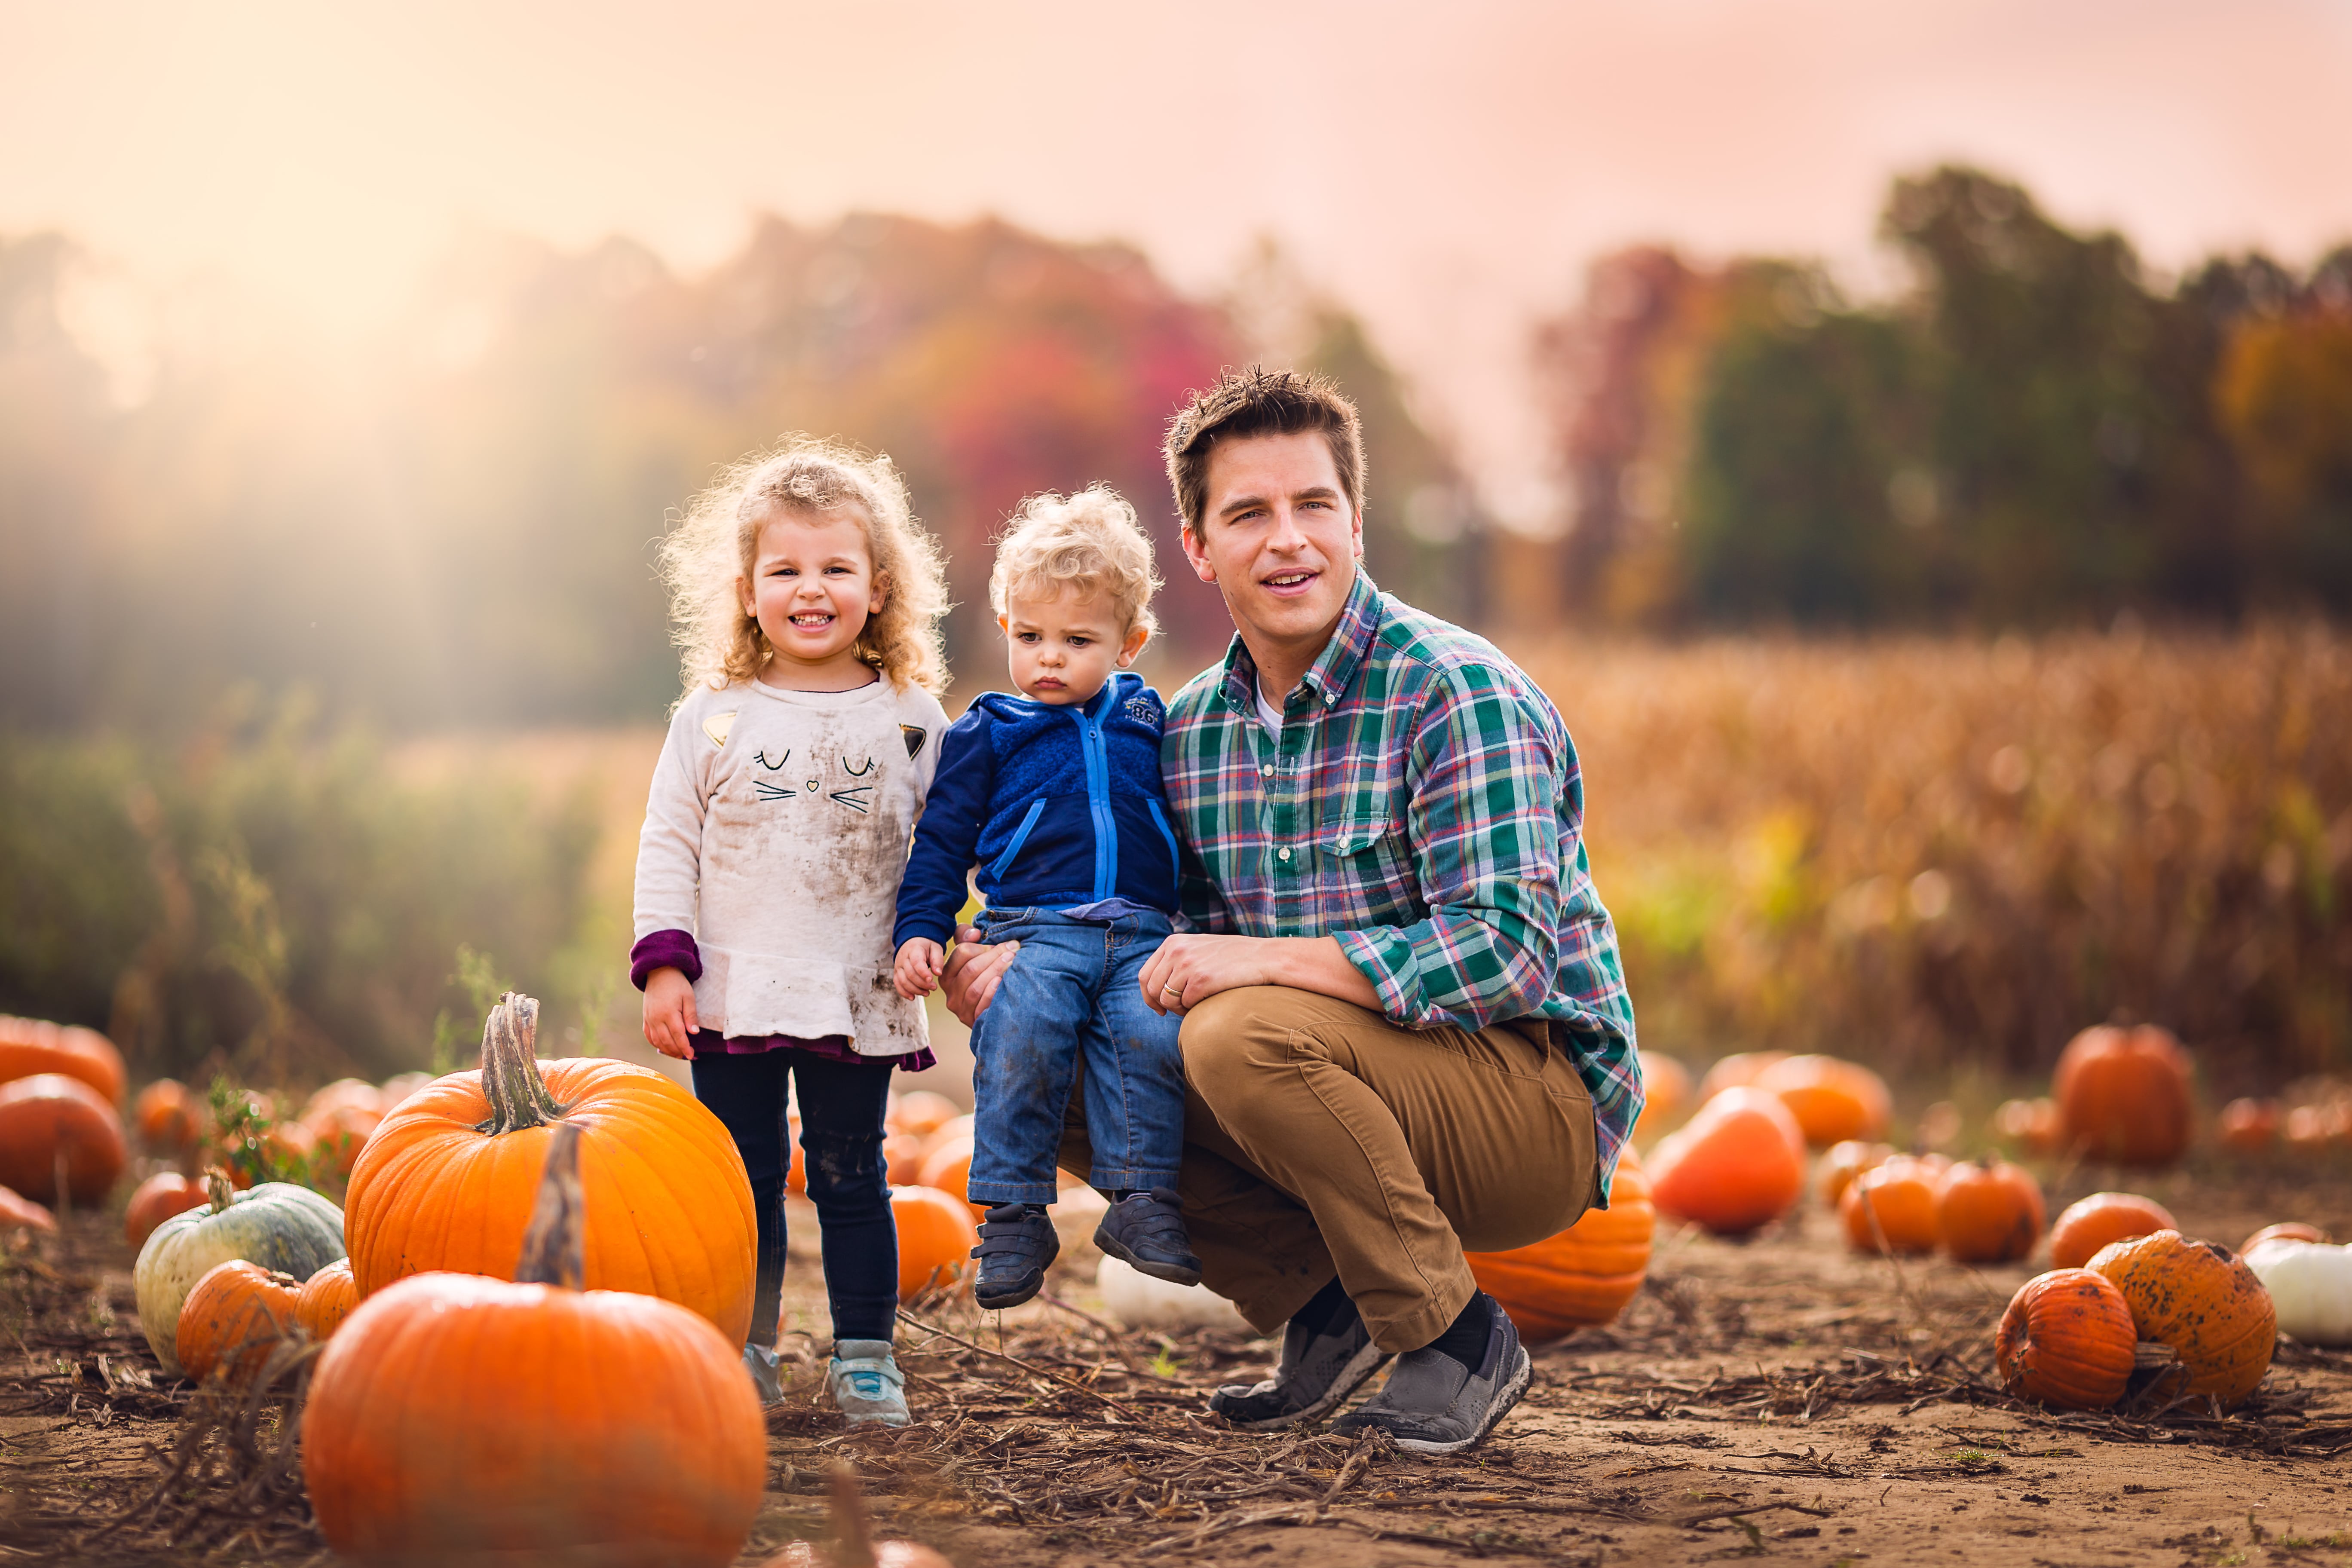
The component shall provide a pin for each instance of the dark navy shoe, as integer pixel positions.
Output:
(1146, 1231)
(1017, 1245)
(1431, 1403)
(1319, 1369)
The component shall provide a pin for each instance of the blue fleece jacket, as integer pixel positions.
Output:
(1059, 806)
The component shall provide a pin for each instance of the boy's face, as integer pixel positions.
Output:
(1063, 648)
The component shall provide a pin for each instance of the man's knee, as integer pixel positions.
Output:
(1239, 1035)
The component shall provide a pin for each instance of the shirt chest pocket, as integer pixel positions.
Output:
(1365, 851)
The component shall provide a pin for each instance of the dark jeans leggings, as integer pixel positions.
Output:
(841, 1134)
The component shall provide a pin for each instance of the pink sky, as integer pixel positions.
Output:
(1445, 169)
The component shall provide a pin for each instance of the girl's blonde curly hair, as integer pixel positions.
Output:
(711, 553)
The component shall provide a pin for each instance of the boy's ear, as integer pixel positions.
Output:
(1136, 636)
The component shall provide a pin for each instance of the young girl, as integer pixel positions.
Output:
(807, 599)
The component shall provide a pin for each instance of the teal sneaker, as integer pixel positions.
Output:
(867, 1385)
(767, 1375)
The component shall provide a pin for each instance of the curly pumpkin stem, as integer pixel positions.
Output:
(511, 1080)
(554, 1249)
(218, 1190)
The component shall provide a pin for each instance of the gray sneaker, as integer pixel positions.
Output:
(1317, 1373)
(767, 1375)
(1430, 1404)
(866, 1383)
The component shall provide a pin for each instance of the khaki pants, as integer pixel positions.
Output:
(1322, 1140)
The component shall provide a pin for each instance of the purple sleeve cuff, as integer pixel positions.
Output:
(670, 949)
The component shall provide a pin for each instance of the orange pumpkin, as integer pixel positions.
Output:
(229, 1322)
(456, 1418)
(157, 1199)
(291, 1148)
(2250, 1126)
(1847, 1160)
(1739, 1070)
(34, 1046)
(2104, 1218)
(796, 1171)
(1737, 1165)
(1665, 1093)
(1988, 1212)
(948, 1167)
(50, 1122)
(2068, 1340)
(936, 1235)
(1892, 1209)
(168, 1116)
(922, 1112)
(902, 1158)
(2286, 1230)
(399, 1087)
(344, 1093)
(2032, 1124)
(2124, 1095)
(1583, 1275)
(2199, 1298)
(2311, 1128)
(448, 1180)
(343, 1130)
(20, 1213)
(1832, 1099)
(326, 1299)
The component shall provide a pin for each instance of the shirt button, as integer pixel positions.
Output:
(1266, 769)
(1281, 854)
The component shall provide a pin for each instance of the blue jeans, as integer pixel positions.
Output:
(1075, 987)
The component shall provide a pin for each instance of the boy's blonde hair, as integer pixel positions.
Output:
(1086, 544)
(713, 550)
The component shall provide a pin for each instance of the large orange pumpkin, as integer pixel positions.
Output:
(32, 1046)
(50, 1122)
(1988, 1212)
(449, 1179)
(948, 1167)
(1583, 1275)
(2250, 1126)
(2092, 1223)
(1831, 1099)
(1737, 1164)
(19, 1212)
(1740, 1069)
(1892, 1208)
(157, 1199)
(2124, 1095)
(168, 1116)
(936, 1235)
(2066, 1339)
(229, 1322)
(2199, 1298)
(1666, 1092)
(327, 1298)
(459, 1419)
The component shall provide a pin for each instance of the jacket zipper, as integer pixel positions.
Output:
(1090, 743)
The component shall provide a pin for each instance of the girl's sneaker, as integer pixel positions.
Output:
(866, 1383)
(1146, 1231)
(767, 1373)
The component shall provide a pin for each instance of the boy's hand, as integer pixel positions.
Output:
(917, 970)
(670, 1022)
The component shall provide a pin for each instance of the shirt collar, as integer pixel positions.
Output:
(1334, 668)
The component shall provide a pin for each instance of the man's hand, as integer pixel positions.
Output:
(1192, 967)
(973, 972)
(670, 1022)
(917, 972)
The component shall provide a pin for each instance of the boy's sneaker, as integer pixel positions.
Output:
(1017, 1245)
(1431, 1403)
(1146, 1231)
(1319, 1368)
(866, 1383)
(767, 1373)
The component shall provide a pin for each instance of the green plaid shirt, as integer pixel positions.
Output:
(1423, 806)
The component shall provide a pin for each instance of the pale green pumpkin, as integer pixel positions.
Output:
(276, 1225)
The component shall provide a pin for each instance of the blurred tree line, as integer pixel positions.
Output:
(2034, 433)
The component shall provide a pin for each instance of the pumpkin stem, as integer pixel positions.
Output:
(218, 1190)
(853, 1533)
(511, 1081)
(554, 1249)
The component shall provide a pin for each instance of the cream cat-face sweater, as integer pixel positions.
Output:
(776, 832)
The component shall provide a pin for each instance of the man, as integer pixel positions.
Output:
(1406, 1032)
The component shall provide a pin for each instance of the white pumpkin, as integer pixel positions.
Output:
(277, 1224)
(2310, 1283)
(1135, 1300)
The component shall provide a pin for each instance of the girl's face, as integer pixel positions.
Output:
(812, 587)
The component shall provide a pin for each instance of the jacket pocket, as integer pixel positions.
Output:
(1159, 820)
(997, 867)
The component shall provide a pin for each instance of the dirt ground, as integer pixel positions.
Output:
(1775, 1399)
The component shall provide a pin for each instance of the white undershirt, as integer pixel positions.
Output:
(1267, 713)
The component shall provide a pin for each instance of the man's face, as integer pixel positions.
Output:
(1278, 538)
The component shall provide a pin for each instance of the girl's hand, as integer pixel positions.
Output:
(670, 1022)
(973, 972)
(917, 972)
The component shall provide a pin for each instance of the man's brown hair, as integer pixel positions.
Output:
(1261, 402)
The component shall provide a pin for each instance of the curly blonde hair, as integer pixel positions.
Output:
(1088, 543)
(711, 553)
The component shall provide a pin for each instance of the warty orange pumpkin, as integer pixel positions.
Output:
(459, 1419)
(449, 1179)
(232, 1318)
(1737, 1164)
(1584, 1276)
(1892, 1209)
(53, 1125)
(2124, 1095)
(2068, 1340)
(2090, 1224)
(2199, 1298)
(1987, 1211)
(1832, 1099)
(326, 1299)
